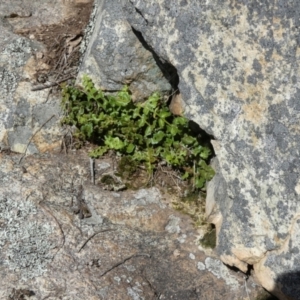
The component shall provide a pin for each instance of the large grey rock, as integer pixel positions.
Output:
(238, 67)
(116, 56)
(18, 121)
(133, 245)
(30, 120)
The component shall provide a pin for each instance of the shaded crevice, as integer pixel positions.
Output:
(203, 137)
(249, 271)
(264, 294)
(234, 269)
(237, 270)
(141, 14)
(168, 70)
(171, 74)
(209, 239)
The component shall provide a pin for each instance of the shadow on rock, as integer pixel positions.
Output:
(290, 285)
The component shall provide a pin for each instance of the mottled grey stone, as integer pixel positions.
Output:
(134, 246)
(29, 248)
(23, 111)
(117, 55)
(237, 64)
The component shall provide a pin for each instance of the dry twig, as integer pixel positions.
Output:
(124, 261)
(33, 137)
(104, 230)
(51, 84)
(56, 221)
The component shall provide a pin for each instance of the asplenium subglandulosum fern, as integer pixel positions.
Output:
(148, 131)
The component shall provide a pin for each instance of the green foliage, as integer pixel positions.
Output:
(147, 132)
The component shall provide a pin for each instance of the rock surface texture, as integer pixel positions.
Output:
(130, 245)
(34, 37)
(238, 68)
(117, 55)
(56, 240)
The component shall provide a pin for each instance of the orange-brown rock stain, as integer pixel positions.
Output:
(254, 112)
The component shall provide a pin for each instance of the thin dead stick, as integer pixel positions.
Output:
(124, 261)
(33, 137)
(170, 173)
(104, 230)
(56, 221)
(47, 98)
(58, 62)
(64, 72)
(73, 52)
(65, 60)
(174, 93)
(58, 73)
(92, 164)
(46, 86)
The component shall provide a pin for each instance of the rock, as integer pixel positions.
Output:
(30, 119)
(117, 56)
(134, 245)
(238, 66)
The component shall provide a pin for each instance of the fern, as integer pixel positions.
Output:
(147, 132)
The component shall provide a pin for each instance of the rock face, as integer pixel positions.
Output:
(236, 65)
(131, 245)
(33, 40)
(238, 68)
(117, 55)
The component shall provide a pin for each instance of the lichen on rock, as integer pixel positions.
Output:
(237, 64)
(27, 243)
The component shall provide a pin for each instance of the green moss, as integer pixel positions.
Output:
(191, 196)
(192, 205)
(127, 167)
(209, 239)
(108, 180)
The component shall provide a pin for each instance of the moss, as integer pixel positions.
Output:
(193, 205)
(191, 196)
(209, 239)
(108, 180)
(127, 167)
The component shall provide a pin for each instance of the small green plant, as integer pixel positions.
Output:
(147, 132)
